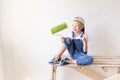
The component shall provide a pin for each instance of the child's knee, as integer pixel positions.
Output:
(68, 40)
(86, 60)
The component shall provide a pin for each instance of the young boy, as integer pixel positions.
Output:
(77, 46)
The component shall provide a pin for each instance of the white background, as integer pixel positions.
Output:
(27, 44)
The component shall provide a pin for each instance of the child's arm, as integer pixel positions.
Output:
(85, 45)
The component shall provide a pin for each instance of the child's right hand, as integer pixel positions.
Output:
(62, 39)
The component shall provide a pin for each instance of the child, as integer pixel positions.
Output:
(77, 46)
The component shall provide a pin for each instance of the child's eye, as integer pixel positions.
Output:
(75, 25)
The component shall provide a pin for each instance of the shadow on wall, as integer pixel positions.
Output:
(14, 63)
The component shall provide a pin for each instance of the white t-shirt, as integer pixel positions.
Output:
(79, 37)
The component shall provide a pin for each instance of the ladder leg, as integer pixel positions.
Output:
(118, 70)
(54, 69)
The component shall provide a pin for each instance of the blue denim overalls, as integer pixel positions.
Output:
(75, 49)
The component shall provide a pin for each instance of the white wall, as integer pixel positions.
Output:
(1, 63)
(1, 56)
(28, 44)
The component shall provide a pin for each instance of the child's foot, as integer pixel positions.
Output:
(55, 60)
(64, 61)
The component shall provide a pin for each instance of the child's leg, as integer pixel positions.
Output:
(57, 58)
(72, 61)
(84, 60)
(69, 46)
(63, 48)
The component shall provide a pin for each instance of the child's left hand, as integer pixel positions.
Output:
(84, 39)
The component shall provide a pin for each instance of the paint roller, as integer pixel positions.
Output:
(58, 28)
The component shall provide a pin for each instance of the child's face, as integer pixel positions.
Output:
(77, 26)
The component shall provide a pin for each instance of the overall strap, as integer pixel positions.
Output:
(72, 35)
(81, 35)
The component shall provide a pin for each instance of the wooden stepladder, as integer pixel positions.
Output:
(54, 69)
(98, 62)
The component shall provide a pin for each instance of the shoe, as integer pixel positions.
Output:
(64, 61)
(55, 60)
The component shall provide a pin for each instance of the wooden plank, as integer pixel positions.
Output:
(98, 61)
(93, 65)
(112, 63)
(90, 73)
(106, 60)
(114, 77)
(104, 69)
(106, 56)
